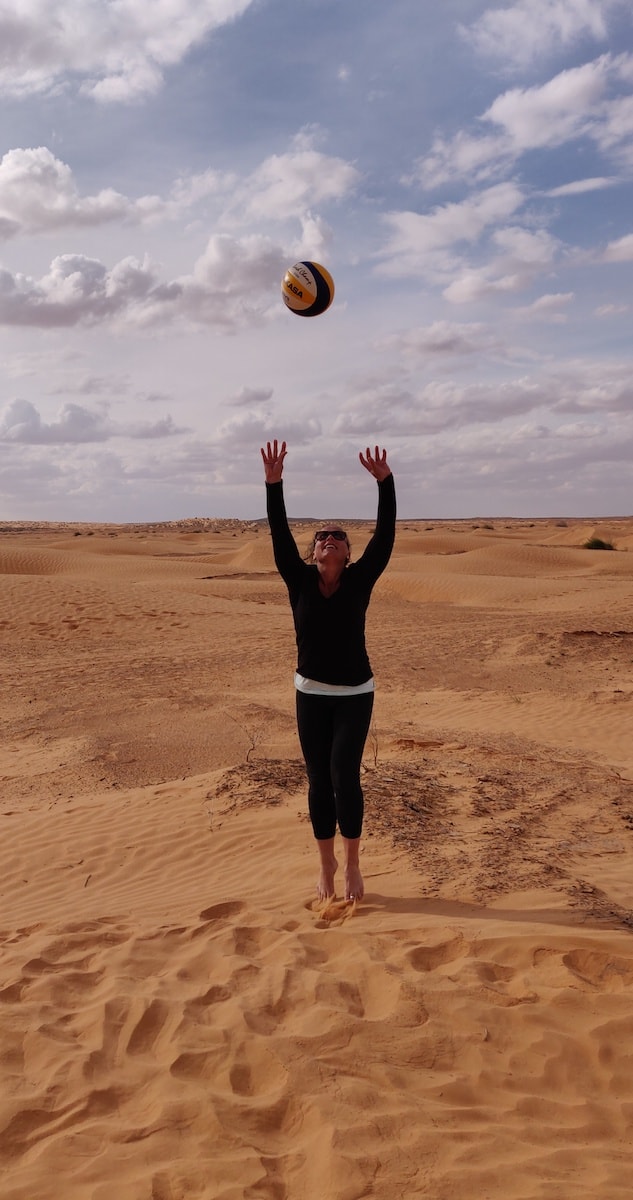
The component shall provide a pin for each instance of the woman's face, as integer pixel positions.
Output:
(330, 550)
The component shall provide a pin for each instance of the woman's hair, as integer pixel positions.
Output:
(309, 554)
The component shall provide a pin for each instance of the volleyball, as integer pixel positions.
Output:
(307, 289)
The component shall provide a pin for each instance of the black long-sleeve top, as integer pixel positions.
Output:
(330, 630)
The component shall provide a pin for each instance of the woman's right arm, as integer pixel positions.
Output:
(287, 558)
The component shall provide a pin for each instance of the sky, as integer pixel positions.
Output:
(463, 170)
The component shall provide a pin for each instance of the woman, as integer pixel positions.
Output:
(334, 684)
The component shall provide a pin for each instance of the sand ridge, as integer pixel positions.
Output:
(178, 1018)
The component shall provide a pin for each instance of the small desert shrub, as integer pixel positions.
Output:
(598, 544)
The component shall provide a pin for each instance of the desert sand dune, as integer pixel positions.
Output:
(178, 1017)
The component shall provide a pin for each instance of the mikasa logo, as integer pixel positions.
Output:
(291, 288)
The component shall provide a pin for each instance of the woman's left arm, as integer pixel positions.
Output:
(376, 463)
(378, 551)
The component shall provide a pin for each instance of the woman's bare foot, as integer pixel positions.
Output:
(329, 865)
(354, 886)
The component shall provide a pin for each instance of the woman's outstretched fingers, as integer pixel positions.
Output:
(376, 463)
(273, 459)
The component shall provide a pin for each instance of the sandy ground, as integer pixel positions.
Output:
(178, 1018)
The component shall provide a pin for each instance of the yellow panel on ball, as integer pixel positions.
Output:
(307, 289)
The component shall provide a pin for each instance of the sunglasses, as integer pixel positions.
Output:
(339, 535)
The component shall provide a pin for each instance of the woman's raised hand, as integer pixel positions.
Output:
(273, 457)
(376, 463)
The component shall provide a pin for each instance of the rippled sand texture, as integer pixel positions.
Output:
(178, 1017)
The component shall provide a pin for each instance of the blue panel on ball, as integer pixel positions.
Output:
(324, 294)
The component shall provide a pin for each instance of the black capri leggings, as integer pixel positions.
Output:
(332, 732)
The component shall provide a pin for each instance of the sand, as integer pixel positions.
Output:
(178, 1017)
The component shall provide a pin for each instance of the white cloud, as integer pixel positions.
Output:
(77, 290)
(442, 405)
(90, 385)
(288, 183)
(592, 387)
(189, 190)
(621, 250)
(533, 29)
(38, 363)
(249, 397)
(20, 421)
(416, 237)
(546, 308)
(314, 240)
(554, 112)
(234, 283)
(611, 310)
(117, 52)
(38, 193)
(579, 186)
(433, 247)
(443, 338)
(464, 156)
(615, 134)
(573, 104)
(525, 247)
(524, 255)
(426, 246)
(437, 406)
(231, 285)
(252, 429)
(295, 183)
(475, 284)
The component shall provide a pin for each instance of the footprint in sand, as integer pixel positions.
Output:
(602, 970)
(149, 1027)
(430, 958)
(222, 912)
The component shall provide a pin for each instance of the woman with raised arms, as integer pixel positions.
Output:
(334, 684)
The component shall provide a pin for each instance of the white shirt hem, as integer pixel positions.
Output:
(313, 687)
